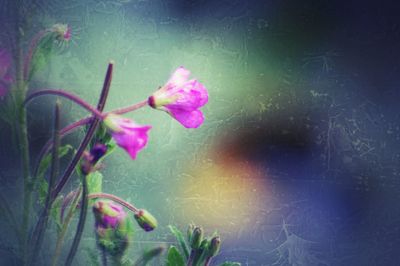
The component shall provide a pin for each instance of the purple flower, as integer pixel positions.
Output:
(181, 98)
(108, 214)
(5, 72)
(113, 227)
(127, 134)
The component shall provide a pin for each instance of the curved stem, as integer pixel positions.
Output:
(63, 132)
(129, 108)
(67, 95)
(89, 134)
(70, 128)
(81, 223)
(32, 47)
(114, 198)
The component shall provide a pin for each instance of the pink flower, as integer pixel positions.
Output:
(181, 98)
(5, 72)
(108, 214)
(127, 134)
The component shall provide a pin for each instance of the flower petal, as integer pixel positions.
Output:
(179, 77)
(189, 119)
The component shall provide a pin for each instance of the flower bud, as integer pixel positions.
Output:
(214, 247)
(89, 159)
(146, 220)
(112, 227)
(190, 232)
(196, 238)
(62, 32)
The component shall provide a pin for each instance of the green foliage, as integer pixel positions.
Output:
(181, 240)
(147, 256)
(94, 181)
(42, 185)
(174, 257)
(55, 212)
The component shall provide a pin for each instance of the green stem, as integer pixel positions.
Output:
(81, 223)
(40, 229)
(65, 225)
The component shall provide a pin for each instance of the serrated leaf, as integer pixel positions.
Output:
(42, 185)
(174, 257)
(181, 240)
(229, 263)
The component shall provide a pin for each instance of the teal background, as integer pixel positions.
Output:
(302, 124)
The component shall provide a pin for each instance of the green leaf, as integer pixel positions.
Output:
(174, 257)
(147, 256)
(229, 263)
(95, 182)
(181, 239)
(55, 212)
(42, 185)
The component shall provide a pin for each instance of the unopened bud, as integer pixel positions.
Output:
(196, 238)
(145, 220)
(214, 247)
(190, 232)
(112, 227)
(89, 159)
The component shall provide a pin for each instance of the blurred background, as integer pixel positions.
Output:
(297, 162)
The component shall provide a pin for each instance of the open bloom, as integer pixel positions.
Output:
(127, 134)
(5, 72)
(181, 98)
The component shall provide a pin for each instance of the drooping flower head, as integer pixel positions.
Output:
(127, 134)
(5, 72)
(181, 98)
(146, 221)
(113, 227)
(62, 31)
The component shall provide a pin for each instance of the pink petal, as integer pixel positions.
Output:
(193, 96)
(179, 77)
(132, 140)
(189, 119)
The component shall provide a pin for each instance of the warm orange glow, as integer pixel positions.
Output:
(228, 196)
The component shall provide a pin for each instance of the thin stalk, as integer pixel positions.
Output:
(38, 234)
(129, 108)
(81, 223)
(84, 121)
(191, 257)
(65, 225)
(89, 134)
(18, 96)
(208, 261)
(116, 199)
(63, 132)
(32, 48)
(67, 95)
(103, 257)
